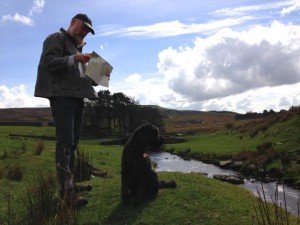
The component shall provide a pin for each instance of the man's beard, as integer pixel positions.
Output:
(79, 39)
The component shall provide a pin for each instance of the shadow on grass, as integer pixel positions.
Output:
(127, 215)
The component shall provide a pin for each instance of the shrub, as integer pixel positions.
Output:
(39, 199)
(39, 147)
(4, 155)
(185, 153)
(1, 172)
(42, 204)
(244, 155)
(262, 148)
(229, 126)
(170, 150)
(15, 173)
(23, 147)
(83, 167)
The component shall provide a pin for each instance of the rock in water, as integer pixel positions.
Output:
(229, 178)
(224, 164)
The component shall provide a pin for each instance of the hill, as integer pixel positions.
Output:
(175, 120)
(26, 116)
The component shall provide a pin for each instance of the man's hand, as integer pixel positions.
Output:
(81, 57)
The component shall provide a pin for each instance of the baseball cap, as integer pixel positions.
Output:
(86, 20)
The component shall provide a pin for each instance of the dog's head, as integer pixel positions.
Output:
(148, 138)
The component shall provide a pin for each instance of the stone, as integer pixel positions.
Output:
(237, 165)
(252, 167)
(200, 173)
(234, 179)
(224, 164)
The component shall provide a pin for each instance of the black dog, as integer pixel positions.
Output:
(139, 181)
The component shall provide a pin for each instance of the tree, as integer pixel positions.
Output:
(118, 113)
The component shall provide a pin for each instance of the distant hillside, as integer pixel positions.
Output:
(26, 116)
(165, 112)
(194, 121)
(175, 120)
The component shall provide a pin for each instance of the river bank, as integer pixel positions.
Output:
(173, 163)
(251, 164)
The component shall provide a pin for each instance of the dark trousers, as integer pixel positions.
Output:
(68, 115)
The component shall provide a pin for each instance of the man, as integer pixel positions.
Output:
(61, 79)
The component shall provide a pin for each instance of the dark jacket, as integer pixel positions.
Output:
(55, 76)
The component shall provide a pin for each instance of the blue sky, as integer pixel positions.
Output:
(203, 55)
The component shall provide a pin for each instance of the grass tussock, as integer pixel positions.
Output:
(263, 155)
(275, 213)
(4, 155)
(15, 173)
(39, 147)
(83, 167)
(42, 204)
(1, 172)
(23, 147)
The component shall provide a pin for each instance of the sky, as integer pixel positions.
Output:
(236, 55)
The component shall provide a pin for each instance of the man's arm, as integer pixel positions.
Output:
(53, 53)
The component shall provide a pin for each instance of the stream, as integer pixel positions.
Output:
(173, 163)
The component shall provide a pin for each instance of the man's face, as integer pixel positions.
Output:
(79, 30)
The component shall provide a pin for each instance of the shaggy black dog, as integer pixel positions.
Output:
(139, 181)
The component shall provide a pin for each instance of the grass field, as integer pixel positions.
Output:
(197, 200)
(284, 136)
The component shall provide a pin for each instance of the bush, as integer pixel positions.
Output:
(42, 204)
(244, 155)
(229, 126)
(262, 148)
(83, 167)
(39, 147)
(185, 153)
(291, 173)
(23, 147)
(170, 150)
(4, 155)
(39, 199)
(15, 173)
(1, 172)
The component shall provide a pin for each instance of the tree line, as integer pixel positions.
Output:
(255, 115)
(117, 114)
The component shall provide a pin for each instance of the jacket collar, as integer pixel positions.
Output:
(72, 39)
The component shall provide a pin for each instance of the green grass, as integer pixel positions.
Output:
(196, 200)
(283, 135)
(219, 143)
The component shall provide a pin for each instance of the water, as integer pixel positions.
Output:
(172, 163)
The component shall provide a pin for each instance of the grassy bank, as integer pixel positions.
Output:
(284, 136)
(281, 160)
(196, 200)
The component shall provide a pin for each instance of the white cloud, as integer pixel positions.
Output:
(37, 7)
(242, 10)
(230, 62)
(276, 98)
(171, 28)
(154, 90)
(18, 19)
(295, 6)
(133, 78)
(252, 70)
(17, 97)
